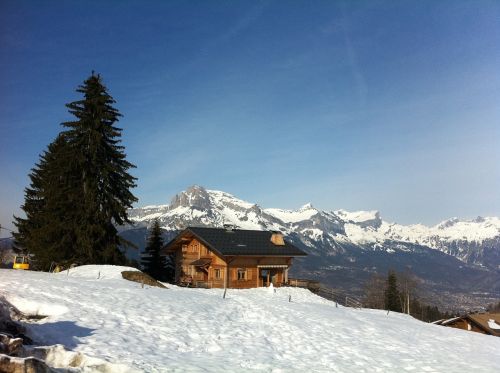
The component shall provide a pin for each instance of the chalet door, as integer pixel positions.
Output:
(265, 277)
(274, 277)
(270, 276)
(204, 274)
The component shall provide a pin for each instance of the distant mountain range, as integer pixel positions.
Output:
(458, 261)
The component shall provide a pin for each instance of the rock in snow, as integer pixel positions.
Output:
(179, 329)
(11, 364)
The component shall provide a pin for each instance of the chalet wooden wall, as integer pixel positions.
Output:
(193, 250)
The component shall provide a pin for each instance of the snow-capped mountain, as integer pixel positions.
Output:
(469, 241)
(455, 257)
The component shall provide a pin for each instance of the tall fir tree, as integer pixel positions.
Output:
(45, 231)
(152, 262)
(80, 189)
(392, 301)
(104, 180)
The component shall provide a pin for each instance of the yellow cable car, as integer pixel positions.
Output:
(21, 262)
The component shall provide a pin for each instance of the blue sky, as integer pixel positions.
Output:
(387, 105)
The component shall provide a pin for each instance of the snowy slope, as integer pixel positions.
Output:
(471, 241)
(181, 329)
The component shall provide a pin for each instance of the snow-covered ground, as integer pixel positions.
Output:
(92, 311)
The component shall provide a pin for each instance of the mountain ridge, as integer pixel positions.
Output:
(197, 205)
(456, 261)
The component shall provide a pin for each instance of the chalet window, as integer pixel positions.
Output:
(242, 274)
(217, 273)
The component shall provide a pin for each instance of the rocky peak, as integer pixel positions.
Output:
(317, 229)
(364, 219)
(448, 223)
(195, 196)
(307, 206)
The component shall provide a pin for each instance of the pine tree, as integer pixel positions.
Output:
(170, 268)
(103, 178)
(45, 231)
(392, 302)
(80, 189)
(153, 263)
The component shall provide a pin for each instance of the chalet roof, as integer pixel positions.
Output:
(488, 322)
(235, 242)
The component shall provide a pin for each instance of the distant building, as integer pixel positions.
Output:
(486, 323)
(231, 258)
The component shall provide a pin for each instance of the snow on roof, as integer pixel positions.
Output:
(438, 322)
(447, 321)
(493, 325)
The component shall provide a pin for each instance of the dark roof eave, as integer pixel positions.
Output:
(204, 242)
(169, 247)
(165, 249)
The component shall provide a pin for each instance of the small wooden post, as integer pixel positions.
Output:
(226, 276)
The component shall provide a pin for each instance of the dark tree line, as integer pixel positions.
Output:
(398, 292)
(79, 190)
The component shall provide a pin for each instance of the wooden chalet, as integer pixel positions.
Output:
(485, 323)
(231, 258)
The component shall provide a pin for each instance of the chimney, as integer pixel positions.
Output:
(229, 227)
(277, 238)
